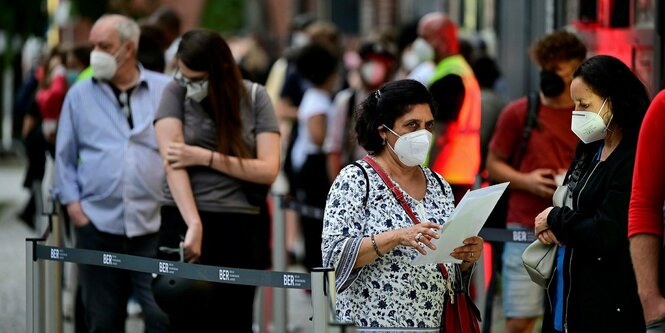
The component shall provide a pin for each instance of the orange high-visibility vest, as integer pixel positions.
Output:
(458, 159)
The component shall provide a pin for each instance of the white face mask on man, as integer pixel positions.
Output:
(589, 126)
(412, 148)
(104, 65)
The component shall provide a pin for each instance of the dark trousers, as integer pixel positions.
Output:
(311, 189)
(105, 291)
(229, 240)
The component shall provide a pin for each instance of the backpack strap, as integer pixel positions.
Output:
(533, 102)
(254, 85)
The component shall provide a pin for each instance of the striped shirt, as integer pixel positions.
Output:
(115, 171)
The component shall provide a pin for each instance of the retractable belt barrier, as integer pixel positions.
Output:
(175, 268)
(488, 234)
(40, 256)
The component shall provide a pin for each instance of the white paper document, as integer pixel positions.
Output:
(466, 220)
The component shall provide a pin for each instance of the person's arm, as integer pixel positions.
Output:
(539, 181)
(66, 163)
(645, 216)
(168, 131)
(604, 229)
(335, 134)
(645, 251)
(286, 110)
(504, 145)
(388, 240)
(316, 125)
(261, 170)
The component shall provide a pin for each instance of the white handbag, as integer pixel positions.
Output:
(538, 258)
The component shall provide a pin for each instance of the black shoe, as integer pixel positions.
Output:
(28, 214)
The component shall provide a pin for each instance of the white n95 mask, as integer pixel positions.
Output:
(103, 65)
(589, 126)
(196, 90)
(412, 148)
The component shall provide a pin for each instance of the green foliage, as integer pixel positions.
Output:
(24, 17)
(87, 8)
(225, 16)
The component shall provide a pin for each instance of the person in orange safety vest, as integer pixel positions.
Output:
(455, 152)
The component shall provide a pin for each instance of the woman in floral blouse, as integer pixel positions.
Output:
(369, 238)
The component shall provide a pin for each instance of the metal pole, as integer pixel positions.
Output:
(34, 289)
(29, 287)
(279, 300)
(320, 308)
(53, 281)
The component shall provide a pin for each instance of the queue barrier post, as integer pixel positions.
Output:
(35, 310)
(53, 279)
(279, 299)
(323, 303)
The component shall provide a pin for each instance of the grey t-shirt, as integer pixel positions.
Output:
(215, 191)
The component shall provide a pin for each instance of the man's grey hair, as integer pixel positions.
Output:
(128, 29)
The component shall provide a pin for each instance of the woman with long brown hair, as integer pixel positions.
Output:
(219, 139)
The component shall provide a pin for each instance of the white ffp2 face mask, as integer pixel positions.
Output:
(589, 126)
(196, 90)
(104, 65)
(412, 148)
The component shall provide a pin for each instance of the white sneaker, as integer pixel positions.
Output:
(133, 308)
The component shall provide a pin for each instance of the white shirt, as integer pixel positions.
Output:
(315, 102)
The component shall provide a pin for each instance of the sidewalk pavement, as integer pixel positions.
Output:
(12, 246)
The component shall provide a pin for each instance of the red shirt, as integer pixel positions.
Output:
(550, 146)
(51, 98)
(645, 214)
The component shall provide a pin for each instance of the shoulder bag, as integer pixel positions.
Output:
(256, 194)
(539, 258)
(461, 315)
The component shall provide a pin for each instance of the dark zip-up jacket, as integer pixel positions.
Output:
(600, 291)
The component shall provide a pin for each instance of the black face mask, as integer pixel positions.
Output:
(551, 84)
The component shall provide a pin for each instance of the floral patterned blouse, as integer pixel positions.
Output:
(389, 293)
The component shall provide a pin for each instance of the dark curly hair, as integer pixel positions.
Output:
(382, 107)
(557, 46)
(316, 62)
(608, 77)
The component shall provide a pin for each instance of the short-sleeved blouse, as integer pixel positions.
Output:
(215, 191)
(389, 292)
